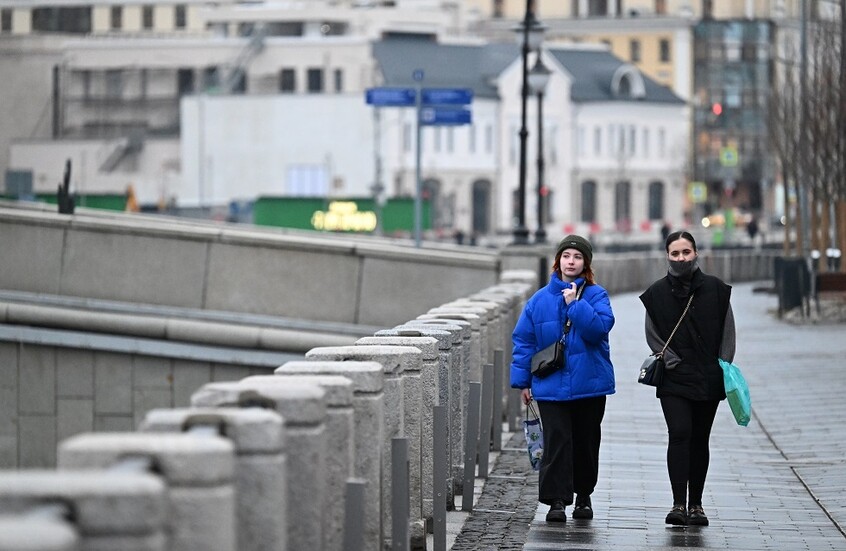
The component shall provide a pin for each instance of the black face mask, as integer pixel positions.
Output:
(683, 269)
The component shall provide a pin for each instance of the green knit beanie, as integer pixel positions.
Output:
(576, 242)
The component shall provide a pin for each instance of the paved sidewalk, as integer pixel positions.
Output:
(779, 483)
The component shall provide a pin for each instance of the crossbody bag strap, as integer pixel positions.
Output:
(578, 296)
(666, 344)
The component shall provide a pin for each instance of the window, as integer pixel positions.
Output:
(6, 19)
(489, 139)
(471, 138)
(143, 81)
(656, 200)
(662, 143)
(211, 78)
(86, 84)
(664, 49)
(116, 17)
(550, 140)
(66, 20)
(645, 144)
(438, 139)
(588, 201)
(147, 17)
(597, 141)
(339, 80)
(114, 83)
(707, 9)
(314, 78)
(660, 7)
(184, 81)
(512, 146)
(622, 205)
(450, 139)
(287, 81)
(634, 51)
(481, 206)
(179, 19)
(582, 145)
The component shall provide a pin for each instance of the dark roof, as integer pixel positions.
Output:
(476, 67)
(593, 71)
(443, 65)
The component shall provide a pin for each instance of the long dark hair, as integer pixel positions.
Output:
(675, 236)
(587, 273)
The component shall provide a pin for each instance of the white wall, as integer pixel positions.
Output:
(250, 145)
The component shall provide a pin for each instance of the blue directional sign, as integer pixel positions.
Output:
(391, 97)
(447, 96)
(444, 116)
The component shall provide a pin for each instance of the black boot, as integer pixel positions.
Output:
(556, 512)
(583, 509)
(696, 516)
(677, 515)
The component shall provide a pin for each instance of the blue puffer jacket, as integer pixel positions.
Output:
(588, 370)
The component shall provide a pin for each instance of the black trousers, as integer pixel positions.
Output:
(571, 436)
(689, 426)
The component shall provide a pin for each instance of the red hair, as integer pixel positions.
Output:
(587, 273)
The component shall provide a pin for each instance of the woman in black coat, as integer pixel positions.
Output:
(692, 384)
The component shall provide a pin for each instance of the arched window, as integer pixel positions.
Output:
(588, 201)
(622, 205)
(656, 200)
(627, 82)
(481, 202)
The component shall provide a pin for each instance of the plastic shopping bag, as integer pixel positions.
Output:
(534, 436)
(737, 393)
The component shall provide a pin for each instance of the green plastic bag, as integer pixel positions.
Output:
(737, 393)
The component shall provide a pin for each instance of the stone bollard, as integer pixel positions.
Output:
(111, 510)
(483, 315)
(473, 363)
(496, 322)
(258, 438)
(367, 402)
(34, 533)
(393, 360)
(303, 410)
(457, 374)
(429, 391)
(198, 472)
(340, 435)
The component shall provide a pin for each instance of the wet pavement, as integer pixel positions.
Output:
(779, 483)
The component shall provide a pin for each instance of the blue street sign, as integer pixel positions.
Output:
(447, 96)
(391, 97)
(444, 116)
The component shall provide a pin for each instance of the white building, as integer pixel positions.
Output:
(147, 109)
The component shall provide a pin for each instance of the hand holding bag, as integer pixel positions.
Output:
(652, 369)
(737, 393)
(533, 430)
(551, 359)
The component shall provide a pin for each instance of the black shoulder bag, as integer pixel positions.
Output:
(652, 368)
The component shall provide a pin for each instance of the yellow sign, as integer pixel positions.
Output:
(728, 156)
(344, 216)
(697, 192)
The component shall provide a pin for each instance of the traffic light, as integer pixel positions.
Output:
(717, 109)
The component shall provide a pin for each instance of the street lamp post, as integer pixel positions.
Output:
(531, 34)
(538, 79)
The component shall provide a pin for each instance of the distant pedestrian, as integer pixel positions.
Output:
(692, 385)
(571, 400)
(665, 231)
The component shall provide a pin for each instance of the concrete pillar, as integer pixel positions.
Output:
(394, 360)
(428, 346)
(492, 309)
(33, 533)
(340, 434)
(198, 471)
(259, 441)
(451, 308)
(112, 510)
(457, 398)
(303, 409)
(367, 402)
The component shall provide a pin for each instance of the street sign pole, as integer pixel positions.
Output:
(418, 194)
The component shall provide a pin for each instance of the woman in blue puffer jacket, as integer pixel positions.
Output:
(572, 399)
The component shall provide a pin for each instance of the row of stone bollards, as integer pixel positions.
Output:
(355, 447)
